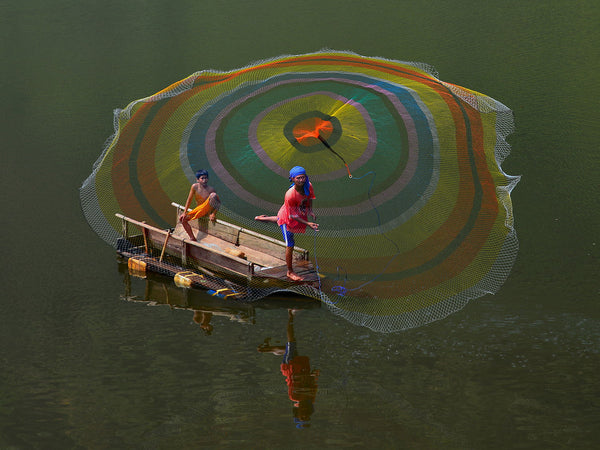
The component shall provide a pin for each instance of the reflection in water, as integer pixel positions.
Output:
(203, 318)
(158, 290)
(301, 381)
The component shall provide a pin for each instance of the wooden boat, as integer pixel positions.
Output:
(222, 250)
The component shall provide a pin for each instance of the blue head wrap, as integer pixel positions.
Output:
(300, 171)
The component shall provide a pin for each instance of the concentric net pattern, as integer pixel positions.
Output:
(423, 224)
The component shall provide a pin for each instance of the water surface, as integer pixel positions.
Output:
(89, 359)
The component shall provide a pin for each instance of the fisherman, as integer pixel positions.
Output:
(293, 214)
(207, 199)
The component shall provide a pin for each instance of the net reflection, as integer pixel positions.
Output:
(157, 290)
(300, 379)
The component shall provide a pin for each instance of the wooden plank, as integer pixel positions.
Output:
(248, 234)
(267, 244)
(218, 260)
(184, 253)
(305, 269)
(223, 230)
(215, 258)
(263, 259)
(260, 249)
(125, 228)
(252, 255)
(174, 246)
(241, 236)
(162, 253)
(145, 233)
(204, 253)
(260, 244)
(227, 232)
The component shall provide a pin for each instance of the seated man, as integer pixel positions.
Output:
(207, 199)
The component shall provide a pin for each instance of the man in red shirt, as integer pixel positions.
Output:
(293, 214)
(302, 382)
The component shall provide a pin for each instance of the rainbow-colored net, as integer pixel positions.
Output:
(414, 209)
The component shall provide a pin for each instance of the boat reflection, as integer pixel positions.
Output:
(154, 289)
(300, 379)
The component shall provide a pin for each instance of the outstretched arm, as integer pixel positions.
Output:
(313, 225)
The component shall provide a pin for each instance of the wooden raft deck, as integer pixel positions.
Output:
(241, 257)
(303, 268)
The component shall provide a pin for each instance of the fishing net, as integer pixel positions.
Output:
(413, 206)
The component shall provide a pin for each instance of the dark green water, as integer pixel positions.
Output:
(83, 367)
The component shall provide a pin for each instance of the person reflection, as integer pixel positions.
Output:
(301, 381)
(203, 318)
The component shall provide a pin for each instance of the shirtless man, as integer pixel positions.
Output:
(293, 215)
(207, 199)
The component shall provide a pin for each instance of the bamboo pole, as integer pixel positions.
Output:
(165, 245)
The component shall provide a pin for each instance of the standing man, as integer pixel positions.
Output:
(207, 199)
(293, 215)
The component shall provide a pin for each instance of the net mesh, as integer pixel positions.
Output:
(414, 209)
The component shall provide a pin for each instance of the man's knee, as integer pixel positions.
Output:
(213, 200)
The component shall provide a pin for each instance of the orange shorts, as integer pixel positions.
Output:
(200, 211)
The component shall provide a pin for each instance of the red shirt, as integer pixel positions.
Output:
(295, 204)
(302, 383)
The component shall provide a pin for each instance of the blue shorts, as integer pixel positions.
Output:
(290, 352)
(288, 236)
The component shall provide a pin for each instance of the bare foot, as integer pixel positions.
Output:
(265, 218)
(294, 276)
